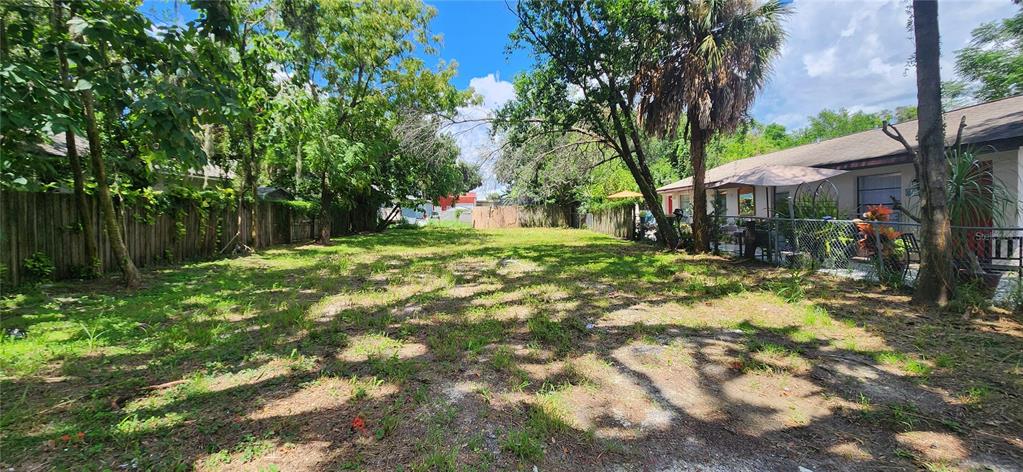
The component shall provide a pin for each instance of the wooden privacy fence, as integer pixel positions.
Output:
(618, 222)
(547, 216)
(48, 223)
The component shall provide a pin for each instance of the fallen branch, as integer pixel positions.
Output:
(165, 385)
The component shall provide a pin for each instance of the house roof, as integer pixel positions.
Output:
(625, 194)
(58, 148)
(273, 193)
(59, 145)
(985, 123)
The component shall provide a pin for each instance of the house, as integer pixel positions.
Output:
(273, 194)
(457, 208)
(858, 170)
(462, 201)
(206, 176)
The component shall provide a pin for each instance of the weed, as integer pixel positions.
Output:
(387, 425)
(440, 459)
(502, 358)
(523, 445)
(252, 447)
(791, 288)
(547, 331)
(1014, 301)
(975, 395)
(38, 267)
(970, 298)
(91, 336)
(392, 368)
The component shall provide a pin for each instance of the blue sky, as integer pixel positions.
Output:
(475, 35)
(840, 53)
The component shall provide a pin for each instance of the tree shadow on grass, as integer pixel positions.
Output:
(269, 385)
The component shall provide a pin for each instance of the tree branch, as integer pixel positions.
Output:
(959, 133)
(905, 211)
(892, 132)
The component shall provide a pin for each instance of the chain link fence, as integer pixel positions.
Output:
(883, 251)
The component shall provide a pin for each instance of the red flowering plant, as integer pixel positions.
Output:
(879, 238)
(359, 424)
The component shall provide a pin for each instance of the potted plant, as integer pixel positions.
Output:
(879, 241)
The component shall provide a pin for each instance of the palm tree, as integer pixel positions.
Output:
(716, 56)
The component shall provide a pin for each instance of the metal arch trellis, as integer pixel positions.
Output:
(818, 191)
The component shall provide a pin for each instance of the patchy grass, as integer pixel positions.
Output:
(445, 348)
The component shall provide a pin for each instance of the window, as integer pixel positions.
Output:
(720, 205)
(686, 204)
(781, 204)
(747, 203)
(878, 190)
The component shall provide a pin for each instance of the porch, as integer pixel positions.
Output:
(883, 251)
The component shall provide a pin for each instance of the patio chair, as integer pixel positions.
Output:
(912, 248)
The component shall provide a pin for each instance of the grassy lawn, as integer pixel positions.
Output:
(451, 349)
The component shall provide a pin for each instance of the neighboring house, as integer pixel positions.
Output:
(462, 201)
(866, 168)
(208, 175)
(211, 175)
(273, 194)
(457, 208)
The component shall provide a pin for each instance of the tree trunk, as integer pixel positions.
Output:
(132, 278)
(932, 285)
(326, 199)
(250, 181)
(698, 160)
(92, 262)
(298, 164)
(646, 186)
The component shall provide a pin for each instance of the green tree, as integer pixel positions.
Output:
(549, 169)
(424, 165)
(828, 124)
(362, 56)
(992, 64)
(93, 266)
(126, 79)
(251, 34)
(711, 58)
(586, 56)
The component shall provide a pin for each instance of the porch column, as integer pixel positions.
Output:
(1018, 191)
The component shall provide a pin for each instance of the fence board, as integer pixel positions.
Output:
(618, 222)
(49, 223)
(545, 216)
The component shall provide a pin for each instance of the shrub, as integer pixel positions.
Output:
(39, 266)
(301, 206)
(970, 297)
(1015, 300)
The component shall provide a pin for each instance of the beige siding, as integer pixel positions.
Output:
(1007, 166)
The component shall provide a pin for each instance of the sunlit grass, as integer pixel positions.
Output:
(389, 327)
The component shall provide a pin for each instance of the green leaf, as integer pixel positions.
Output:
(83, 85)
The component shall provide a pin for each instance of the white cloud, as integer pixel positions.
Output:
(845, 54)
(495, 92)
(818, 64)
(472, 133)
